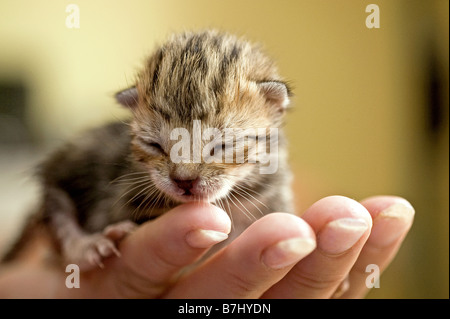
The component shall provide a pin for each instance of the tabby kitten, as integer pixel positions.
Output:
(99, 186)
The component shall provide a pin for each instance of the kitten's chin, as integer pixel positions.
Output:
(199, 196)
(186, 198)
(191, 198)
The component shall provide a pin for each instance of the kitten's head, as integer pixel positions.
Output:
(189, 101)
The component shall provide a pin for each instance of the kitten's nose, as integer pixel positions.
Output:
(185, 184)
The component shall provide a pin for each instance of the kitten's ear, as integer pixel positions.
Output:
(128, 97)
(276, 92)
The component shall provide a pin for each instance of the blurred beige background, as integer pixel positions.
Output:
(370, 109)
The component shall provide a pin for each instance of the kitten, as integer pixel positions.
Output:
(99, 186)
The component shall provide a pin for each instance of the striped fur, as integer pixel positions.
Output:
(123, 170)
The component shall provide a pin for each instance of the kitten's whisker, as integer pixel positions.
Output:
(222, 205)
(139, 193)
(132, 174)
(248, 189)
(151, 189)
(158, 199)
(132, 181)
(229, 208)
(130, 178)
(255, 192)
(142, 184)
(243, 212)
(243, 206)
(143, 174)
(243, 195)
(216, 203)
(136, 179)
(148, 207)
(246, 214)
(121, 120)
(254, 181)
(227, 199)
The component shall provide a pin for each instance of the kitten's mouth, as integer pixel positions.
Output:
(188, 190)
(189, 197)
(196, 189)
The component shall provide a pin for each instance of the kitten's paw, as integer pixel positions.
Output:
(89, 251)
(119, 230)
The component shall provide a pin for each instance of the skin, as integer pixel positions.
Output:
(153, 254)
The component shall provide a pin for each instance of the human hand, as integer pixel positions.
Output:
(278, 256)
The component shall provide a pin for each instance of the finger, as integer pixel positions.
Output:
(156, 251)
(392, 219)
(118, 231)
(23, 280)
(342, 225)
(253, 262)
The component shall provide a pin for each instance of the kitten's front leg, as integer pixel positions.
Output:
(78, 247)
(88, 250)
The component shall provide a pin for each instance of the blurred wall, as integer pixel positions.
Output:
(370, 109)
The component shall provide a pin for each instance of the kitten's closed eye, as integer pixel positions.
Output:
(156, 146)
(219, 148)
(151, 146)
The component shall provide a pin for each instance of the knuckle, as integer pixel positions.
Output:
(241, 286)
(318, 283)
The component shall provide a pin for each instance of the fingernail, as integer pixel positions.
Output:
(341, 234)
(201, 238)
(287, 252)
(391, 223)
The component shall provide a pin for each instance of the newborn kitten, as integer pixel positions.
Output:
(99, 186)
